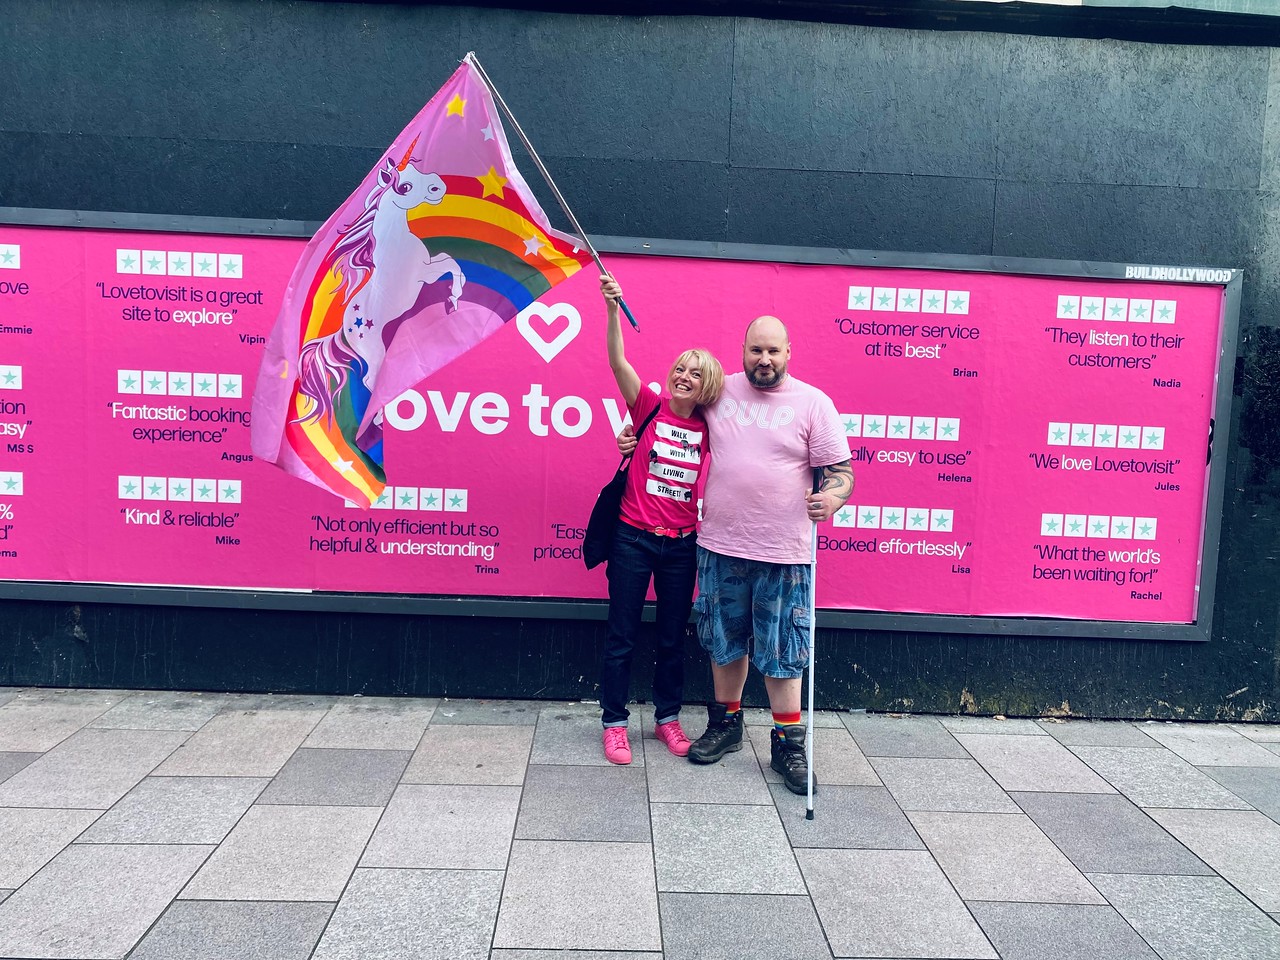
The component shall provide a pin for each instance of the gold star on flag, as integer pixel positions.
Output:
(456, 106)
(493, 182)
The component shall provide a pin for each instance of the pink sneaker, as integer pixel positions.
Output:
(616, 747)
(673, 736)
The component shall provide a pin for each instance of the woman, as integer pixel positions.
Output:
(656, 536)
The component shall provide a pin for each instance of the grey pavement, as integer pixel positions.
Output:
(185, 826)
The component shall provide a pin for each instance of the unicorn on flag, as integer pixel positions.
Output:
(377, 259)
(433, 252)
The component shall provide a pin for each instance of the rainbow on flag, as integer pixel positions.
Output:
(442, 243)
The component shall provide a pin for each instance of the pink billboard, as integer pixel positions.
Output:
(1022, 445)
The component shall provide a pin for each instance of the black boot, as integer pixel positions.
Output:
(787, 756)
(724, 735)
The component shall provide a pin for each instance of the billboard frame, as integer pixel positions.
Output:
(1229, 279)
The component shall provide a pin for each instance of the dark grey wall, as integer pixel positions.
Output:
(707, 128)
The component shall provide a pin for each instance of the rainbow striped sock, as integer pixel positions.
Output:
(731, 707)
(781, 720)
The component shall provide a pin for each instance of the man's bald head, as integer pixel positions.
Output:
(765, 352)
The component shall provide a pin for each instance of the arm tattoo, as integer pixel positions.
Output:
(838, 480)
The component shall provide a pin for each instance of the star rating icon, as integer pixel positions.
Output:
(859, 298)
(206, 263)
(128, 261)
(10, 256)
(431, 498)
(455, 500)
(406, 500)
(844, 517)
(179, 488)
(873, 428)
(129, 488)
(852, 425)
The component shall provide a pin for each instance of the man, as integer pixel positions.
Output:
(770, 434)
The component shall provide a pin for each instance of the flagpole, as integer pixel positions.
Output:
(813, 634)
(533, 154)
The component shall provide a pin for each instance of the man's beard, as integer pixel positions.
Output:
(759, 378)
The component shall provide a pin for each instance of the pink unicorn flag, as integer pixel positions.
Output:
(441, 244)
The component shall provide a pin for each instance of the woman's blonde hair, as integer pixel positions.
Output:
(710, 372)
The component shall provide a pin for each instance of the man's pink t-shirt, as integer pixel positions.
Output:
(766, 443)
(669, 456)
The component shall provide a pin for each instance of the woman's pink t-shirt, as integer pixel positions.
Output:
(670, 456)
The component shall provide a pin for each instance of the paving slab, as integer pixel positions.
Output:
(944, 785)
(177, 810)
(445, 827)
(1192, 918)
(38, 720)
(219, 930)
(584, 803)
(712, 926)
(1205, 745)
(1000, 856)
(1157, 778)
(163, 710)
(1242, 845)
(1041, 763)
(886, 735)
(916, 915)
(722, 848)
(94, 901)
(576, 737)
(481, 754)
(91, 769)
(579, 896)
(1259, 786)
(574, 955)
(244, 743)
(414, 913)
(31, 838)
(1053, 931)
(836, 758)
(994, 726)
(503, 713)
(286, 853)
(373, 723)
(1258, 732)
(1100, 733)
(338, 777)
(8, 693)
(735, 779)
(11, 761)
(846, 817)
(1108, 834)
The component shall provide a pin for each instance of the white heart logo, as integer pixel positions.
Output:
(547, 349)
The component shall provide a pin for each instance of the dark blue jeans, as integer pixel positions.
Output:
(672, 563)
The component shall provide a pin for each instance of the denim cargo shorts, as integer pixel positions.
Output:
(754, 608)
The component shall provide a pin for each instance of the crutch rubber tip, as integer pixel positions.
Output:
(808, 814)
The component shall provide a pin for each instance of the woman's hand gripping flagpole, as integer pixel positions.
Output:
(537, 161)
